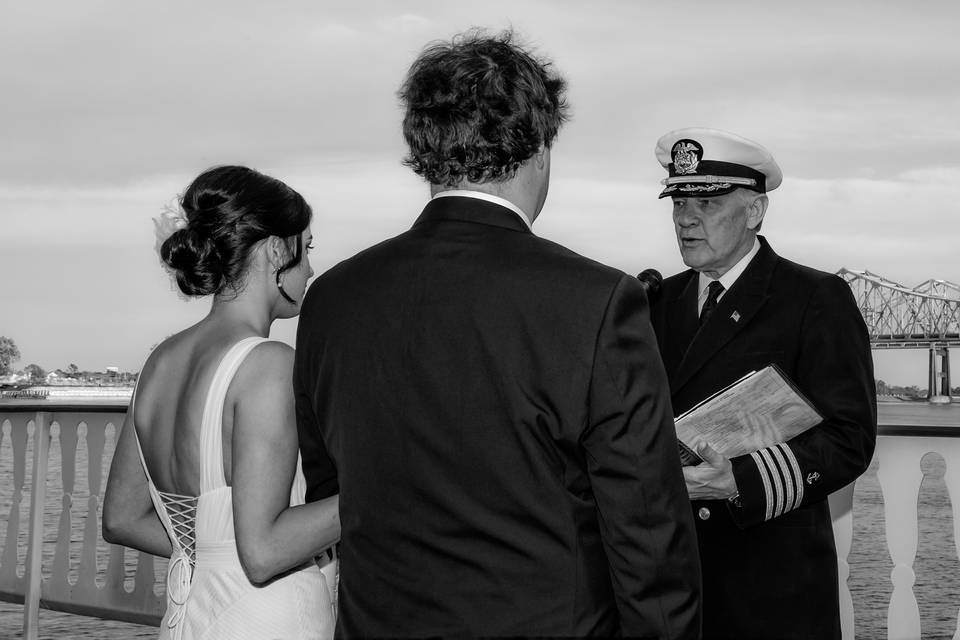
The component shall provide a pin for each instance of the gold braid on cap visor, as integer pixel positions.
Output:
(729, 180)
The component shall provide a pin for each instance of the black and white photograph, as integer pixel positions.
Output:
(530, 318)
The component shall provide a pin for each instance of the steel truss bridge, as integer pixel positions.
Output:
(923, 317)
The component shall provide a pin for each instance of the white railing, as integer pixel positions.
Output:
(899, 454)
(68, 567)
(67, 572)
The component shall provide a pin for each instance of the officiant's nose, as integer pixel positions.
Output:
(683, 214)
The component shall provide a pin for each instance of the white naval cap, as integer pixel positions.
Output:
(710, 162)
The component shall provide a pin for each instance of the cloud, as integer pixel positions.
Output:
(334, 33)
(111, 108)
(100, 279)
(404, 23)
(128, 92)
(888, 226)
(936, 177)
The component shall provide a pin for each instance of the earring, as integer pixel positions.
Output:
(279, 274)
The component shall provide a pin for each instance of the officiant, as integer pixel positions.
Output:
(763, 522)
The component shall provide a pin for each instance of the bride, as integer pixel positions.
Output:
(207, 469)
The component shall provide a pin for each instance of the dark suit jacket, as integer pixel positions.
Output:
(769, 565)
(499, 425)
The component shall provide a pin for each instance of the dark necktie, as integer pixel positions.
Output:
(713, 292)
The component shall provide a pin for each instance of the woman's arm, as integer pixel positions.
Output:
(129, 517)
(271, 535)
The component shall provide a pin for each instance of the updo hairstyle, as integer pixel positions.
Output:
(229, 210)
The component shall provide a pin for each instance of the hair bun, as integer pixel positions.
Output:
(228, 211)
(194, 260)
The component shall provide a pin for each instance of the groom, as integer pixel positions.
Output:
(491, 405)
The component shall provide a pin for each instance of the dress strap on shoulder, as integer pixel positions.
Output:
(131, 412)
(211, 429)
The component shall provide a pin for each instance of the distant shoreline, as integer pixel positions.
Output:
(61, 398)
(895, 416)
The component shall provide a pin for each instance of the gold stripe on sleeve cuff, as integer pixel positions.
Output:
(775, 480)
(797, 476)
(765, 478)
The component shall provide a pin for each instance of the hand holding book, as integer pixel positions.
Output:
(758, 410)
(712, 480)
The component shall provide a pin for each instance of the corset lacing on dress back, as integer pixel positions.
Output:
(208, 593)
(178, 513)
(181, 511)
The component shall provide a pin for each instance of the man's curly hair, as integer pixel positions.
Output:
(477, 108)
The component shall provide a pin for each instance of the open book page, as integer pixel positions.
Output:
(760, 409)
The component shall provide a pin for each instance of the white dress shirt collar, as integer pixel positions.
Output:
(728, 278)
(480, 195)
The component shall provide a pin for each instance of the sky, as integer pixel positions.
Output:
(109, 110)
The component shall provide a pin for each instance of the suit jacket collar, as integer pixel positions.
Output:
(734, 312)
(474, 210)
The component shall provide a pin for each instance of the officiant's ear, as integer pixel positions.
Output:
(756, 209)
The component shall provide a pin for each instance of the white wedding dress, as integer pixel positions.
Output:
(208, 594)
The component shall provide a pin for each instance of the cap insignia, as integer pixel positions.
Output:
(686, 157)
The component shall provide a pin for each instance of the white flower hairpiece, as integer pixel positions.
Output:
(172, 218)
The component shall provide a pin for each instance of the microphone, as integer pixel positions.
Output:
(650, 279)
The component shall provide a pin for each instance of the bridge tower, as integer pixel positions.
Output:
(941, 375)
(924, 317)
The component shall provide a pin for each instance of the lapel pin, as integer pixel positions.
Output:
(735, 316)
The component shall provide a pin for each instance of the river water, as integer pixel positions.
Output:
(937, 586)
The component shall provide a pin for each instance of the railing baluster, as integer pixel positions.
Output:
(900, 477)
(41, 447)
(96, 436)
(9, 579)
(113, 581)
(841, 510)
(950, 450)
(59, 584)
(5, 574)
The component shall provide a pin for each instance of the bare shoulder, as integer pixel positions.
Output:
(157, 357)
(271, 354)
(163, 364)
(171, 356)
(268, 367)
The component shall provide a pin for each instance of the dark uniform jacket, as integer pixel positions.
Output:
(769, 565)
(497, 417)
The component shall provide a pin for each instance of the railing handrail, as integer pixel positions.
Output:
(62, 405)
(912, 431)
(887, 425)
